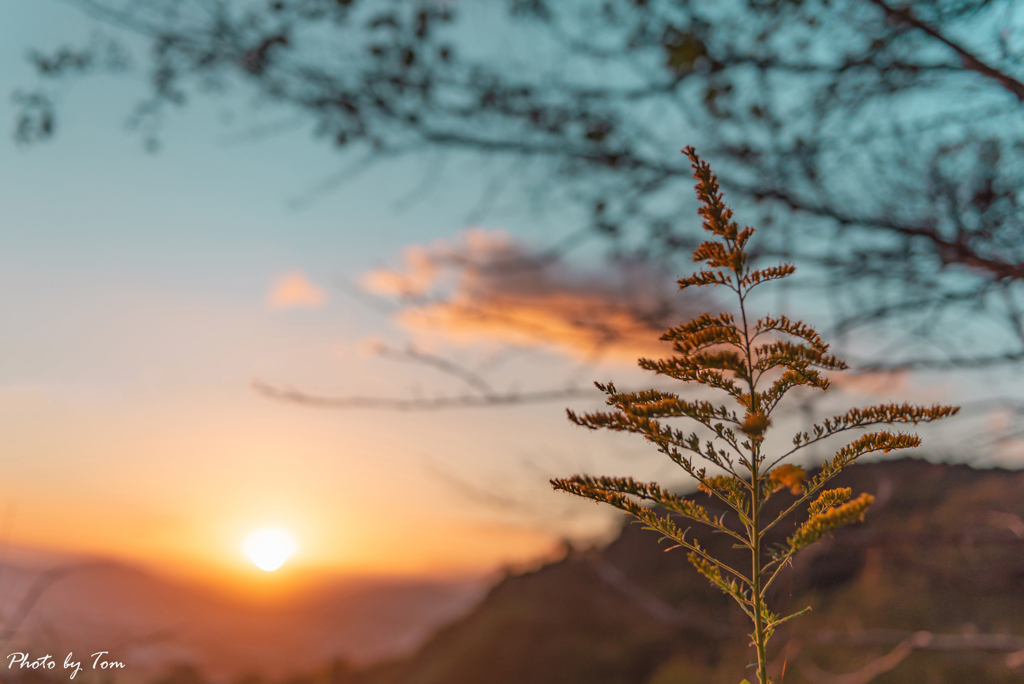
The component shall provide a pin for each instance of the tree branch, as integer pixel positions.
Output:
(949, 251)
(434, 404)
(906, 15)
(908, 643)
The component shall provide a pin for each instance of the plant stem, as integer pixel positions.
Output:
(755, 501)
(755, 576)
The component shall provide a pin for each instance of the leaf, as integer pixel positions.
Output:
(831, 519)
(830, 498)
(605, 489)
(683, 51)
(788, 476)
(876, 415)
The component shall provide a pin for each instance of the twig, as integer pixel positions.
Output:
(905, 14)
(876, 667)
(435, 404)
(908, 643)
(654, 606)
(474, 380)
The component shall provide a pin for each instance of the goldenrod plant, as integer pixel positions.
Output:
(756, 363)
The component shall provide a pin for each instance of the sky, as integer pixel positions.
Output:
(143, 294)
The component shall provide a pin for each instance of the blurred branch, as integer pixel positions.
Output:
(652, 605)
(873, 669)
(29, 600)
(469, 377)
(432, 404)
(855, 141)
(956, 251)
(906, 643)
(970, 61)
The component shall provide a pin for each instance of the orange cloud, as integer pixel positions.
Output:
(421, 270)
(486, 286)
(295, 290)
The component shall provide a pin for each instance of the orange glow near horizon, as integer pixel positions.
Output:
(172, 479)
(206, 549)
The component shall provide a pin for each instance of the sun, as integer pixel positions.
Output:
(269, 547)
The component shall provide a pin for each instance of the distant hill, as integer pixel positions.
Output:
(155, 625)
(929, 590)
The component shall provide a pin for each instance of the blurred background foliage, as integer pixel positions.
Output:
(877, 144)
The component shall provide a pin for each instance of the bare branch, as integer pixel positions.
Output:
(804, 108)
(949, 252)
(654, 606)
(970, 61)
(431, 404)
(474, 380)
(908, 643)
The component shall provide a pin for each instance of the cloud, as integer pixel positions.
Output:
(997, 422)
(295, 290)
(486, 286)
(872, 383)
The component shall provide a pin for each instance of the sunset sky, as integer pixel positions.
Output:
(142, 294)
